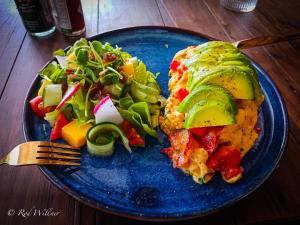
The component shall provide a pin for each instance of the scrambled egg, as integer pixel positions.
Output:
(243, 134)
(197, 166)
(173, 120)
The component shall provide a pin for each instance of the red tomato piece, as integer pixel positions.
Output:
(226, 160)
(37, 106)
(199, 131)
(137, 141)
(125, 126)
(257, 130)
(168, 152)
(174, 65)
(60, 122)
(232, 172)
(181, 94)
(134, 138)
(69, 71)
(181, 69)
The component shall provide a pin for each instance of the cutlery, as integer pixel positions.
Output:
(42, 153)
(266, 40)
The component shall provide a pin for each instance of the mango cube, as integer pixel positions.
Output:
(75, 133)
(128, 68)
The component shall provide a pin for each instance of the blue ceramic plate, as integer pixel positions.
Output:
(144, 185)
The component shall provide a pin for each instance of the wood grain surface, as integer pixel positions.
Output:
(22, 56)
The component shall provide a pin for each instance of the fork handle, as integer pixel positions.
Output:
(260, 41)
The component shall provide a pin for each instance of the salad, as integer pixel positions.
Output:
(212, 111)
(96, 94)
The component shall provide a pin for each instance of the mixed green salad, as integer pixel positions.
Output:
(96, 93)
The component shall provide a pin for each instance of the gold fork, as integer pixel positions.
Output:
(42, 153)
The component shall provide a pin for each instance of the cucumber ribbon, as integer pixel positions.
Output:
(102, 136)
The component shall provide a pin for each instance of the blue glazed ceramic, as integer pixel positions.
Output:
(143, 185)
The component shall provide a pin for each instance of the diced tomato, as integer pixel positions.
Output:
(174, 65)
(181, 94)
(193, 143)
(209, 142)
(226, 156)
(132, 133)
(137, 141)
(168, 152)
(199, 131)
(232, 172)
(125, 126)
(60, 122)
(37, 106)
(69, 71)
(257, 130)
(134, 138)
(226, 160)
(181, 69)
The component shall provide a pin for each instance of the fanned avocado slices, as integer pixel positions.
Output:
(225, 64)
(208, 93)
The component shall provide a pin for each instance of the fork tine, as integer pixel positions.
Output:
(56, 162)
(55, 156)
(55, 150)
(57, 145)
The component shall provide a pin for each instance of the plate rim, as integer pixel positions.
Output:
(139, 216)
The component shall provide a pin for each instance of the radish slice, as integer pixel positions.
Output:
(105, 111)
(69, 93)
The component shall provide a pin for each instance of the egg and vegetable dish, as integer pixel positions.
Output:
(96, 94)
(212, 111)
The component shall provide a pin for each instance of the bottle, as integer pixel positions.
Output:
(69, 16)
(36, 16)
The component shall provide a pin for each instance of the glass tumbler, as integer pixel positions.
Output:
(239, 5)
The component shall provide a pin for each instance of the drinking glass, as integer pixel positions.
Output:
(239, 5)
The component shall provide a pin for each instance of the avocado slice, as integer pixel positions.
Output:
(215, 45)
(209, 113)
(237, 82)
(208, 92)
(249, 69)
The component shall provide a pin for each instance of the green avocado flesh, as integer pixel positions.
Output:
(208, 92)
(218, 73)
(237, 82)
(209, 113)
(226, 66)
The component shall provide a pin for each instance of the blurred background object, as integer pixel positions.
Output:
(69, 16)
(239, 5)
(36, 16)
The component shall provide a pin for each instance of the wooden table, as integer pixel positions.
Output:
(21, 57)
